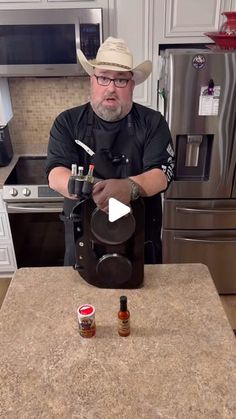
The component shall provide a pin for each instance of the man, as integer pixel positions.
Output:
(129, 144)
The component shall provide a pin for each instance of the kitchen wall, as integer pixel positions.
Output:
(36, 102)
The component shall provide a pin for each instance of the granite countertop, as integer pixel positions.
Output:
(178, 362)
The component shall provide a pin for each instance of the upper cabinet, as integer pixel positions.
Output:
(185, 21)
(14, 4)
(24, 4)
(133, 21)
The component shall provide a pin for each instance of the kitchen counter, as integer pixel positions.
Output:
(178, 362)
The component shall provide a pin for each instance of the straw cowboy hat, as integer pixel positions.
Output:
(114, 55)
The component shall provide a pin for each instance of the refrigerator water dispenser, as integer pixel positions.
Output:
(193, 155)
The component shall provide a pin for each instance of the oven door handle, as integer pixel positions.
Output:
(44, 208)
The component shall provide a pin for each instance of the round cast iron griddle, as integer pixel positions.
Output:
(115, 232)
(114, 269)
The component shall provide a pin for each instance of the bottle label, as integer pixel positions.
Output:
(86, 320)
(87, 327)
(123, 325)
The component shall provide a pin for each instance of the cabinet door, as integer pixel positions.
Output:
(7, 253)
(233, 5)
(193, 17)
(18, 2)
(81, 3)
(4, 228)
(133, 22)
(7, 259)
(49, 4)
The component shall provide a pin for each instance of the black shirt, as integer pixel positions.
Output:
(145, 142)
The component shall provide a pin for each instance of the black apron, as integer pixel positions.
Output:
(109, 163)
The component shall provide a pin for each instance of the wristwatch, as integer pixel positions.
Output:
(135, 192)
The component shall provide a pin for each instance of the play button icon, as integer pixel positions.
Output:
(117, 209)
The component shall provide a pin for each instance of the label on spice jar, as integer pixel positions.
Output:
(86, 320)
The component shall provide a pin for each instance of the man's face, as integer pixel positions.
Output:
(111, 103)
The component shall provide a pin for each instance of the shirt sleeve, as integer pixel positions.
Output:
(62, 149)
(158, 147)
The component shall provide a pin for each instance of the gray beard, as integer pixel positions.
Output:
(109, 115)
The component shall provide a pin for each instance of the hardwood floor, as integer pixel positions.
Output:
(228, 302)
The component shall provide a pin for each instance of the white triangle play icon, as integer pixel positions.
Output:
(116, 210)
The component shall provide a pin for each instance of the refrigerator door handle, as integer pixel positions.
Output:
(207, 240)
(205, 210)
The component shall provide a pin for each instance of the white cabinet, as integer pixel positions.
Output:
(185, 21)
(133, 21)
(44, 4)
(193, 18)
(11, 2)
(7, 254)
(233, 5)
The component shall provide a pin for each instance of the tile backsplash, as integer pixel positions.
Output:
(36, 102)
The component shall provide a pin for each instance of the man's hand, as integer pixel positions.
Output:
(119, 189)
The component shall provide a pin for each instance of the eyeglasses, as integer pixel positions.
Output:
(105, 81)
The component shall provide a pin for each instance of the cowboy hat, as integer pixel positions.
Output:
(114, 55)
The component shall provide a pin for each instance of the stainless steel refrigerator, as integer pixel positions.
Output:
(198, 88)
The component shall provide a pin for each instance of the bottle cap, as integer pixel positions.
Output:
(74, 169)
(123, 302)
(123, 298)
(86, 310)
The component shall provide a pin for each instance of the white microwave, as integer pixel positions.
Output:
(44, 42)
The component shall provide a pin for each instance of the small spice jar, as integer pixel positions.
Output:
(86, 320)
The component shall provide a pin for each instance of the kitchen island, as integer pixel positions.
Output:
(178, 362)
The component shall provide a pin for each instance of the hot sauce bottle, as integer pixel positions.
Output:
(123, 317)
(88, 183)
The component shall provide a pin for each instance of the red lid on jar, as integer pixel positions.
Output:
(86, 310)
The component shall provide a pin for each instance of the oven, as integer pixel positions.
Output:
(34, 214)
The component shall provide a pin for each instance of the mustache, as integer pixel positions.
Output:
(111, 96)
